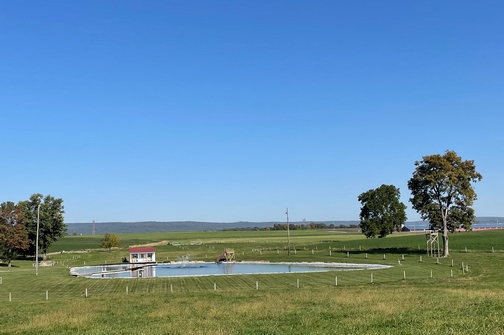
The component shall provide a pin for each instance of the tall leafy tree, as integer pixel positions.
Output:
(442, 192)
(52, 225)
(382, 212)
(13, 235)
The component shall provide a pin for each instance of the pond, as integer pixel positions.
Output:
(190, 269)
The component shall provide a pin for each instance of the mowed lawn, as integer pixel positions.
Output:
(419, 295)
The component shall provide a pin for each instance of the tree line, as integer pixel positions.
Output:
(292, 226)
(18, 226)
(442, 193)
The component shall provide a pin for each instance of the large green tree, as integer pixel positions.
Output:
(443, 194)
(13, 235)
(382, 212)
(52, 225)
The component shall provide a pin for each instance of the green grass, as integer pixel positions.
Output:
(451, 302)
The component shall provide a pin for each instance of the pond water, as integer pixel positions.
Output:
(189, 269)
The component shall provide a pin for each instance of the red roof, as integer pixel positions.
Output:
(146, 249)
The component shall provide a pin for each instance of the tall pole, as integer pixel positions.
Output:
(36, 241)
(288, 232)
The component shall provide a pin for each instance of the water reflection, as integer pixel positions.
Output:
(143, 272)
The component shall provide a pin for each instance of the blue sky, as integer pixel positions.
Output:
(234, 110)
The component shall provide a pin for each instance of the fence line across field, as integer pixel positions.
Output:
(185, 288)
(174, 285)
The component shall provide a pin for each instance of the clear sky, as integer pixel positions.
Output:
(234, 110)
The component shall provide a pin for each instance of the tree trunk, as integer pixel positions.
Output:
(445, 242)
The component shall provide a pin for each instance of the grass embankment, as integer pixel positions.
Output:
(449, 302)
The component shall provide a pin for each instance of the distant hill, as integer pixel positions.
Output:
(490, 219)
(86, 228)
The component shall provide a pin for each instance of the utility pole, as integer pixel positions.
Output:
(288, 232)
(36, 242)
(94, 227)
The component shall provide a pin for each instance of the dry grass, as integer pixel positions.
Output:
(77, 315)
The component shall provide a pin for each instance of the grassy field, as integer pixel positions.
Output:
(434, 298)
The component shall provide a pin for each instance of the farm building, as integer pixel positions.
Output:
(142, 255)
